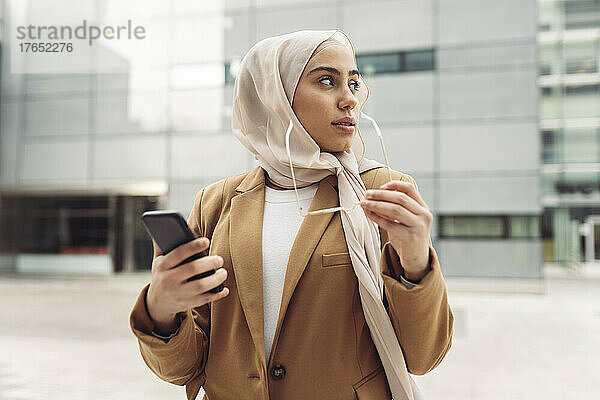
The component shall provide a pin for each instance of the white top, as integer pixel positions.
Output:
(281, 222)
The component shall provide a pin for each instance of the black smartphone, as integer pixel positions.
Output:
(170, 230)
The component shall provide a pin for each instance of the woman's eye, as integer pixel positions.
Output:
(326, 79)
(329, 81)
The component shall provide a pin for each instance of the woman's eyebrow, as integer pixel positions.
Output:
(333, 71)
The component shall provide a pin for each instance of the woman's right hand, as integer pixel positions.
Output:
(170, 293)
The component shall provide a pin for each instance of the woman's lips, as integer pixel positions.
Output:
(344, 128)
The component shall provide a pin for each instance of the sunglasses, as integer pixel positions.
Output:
(334, 209)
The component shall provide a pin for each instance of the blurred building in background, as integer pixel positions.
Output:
(453, 83)
(569, 55)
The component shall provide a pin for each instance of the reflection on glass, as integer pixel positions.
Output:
(196, 76)
(197, 40)
(65, 115)
(136, 112)
(196, 110)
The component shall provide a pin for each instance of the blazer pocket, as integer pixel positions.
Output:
(374, 386)
(337, 260)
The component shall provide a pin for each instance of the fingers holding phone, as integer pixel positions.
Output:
(200, 270)
(183, 274)
(171, 290)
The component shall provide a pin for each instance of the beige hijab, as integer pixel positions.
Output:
(262, 108)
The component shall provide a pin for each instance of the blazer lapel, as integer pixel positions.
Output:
(245, 235)
(245, 241)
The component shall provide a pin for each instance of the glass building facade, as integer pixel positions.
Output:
(569, 84)
(454, 88)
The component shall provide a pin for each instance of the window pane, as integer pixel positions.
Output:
(582, 101)
(550, 59)
(580, 58)
(581, 65)
(575, 182)
(472, 226)
(582, 14)
(549, 15)
(59, 225)
(550, 102)
(550, 146)
(581, 145)
(379, 63)
(419, 60)
(583, 89)
(524, 227)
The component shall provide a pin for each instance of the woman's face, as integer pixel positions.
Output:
(326, 94)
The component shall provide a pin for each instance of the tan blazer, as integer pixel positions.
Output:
(322, 347)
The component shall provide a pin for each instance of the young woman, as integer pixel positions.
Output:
(337, 302)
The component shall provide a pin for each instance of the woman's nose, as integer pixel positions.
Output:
(348, 100)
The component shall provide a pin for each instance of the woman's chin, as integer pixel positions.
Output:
(342, 142)
(337, 149)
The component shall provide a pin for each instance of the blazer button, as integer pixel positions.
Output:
(278, 372)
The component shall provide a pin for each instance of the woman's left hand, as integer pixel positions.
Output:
(399, 209)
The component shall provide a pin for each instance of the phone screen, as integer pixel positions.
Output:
(168, 230)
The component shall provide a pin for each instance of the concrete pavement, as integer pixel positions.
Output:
(69, 339)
